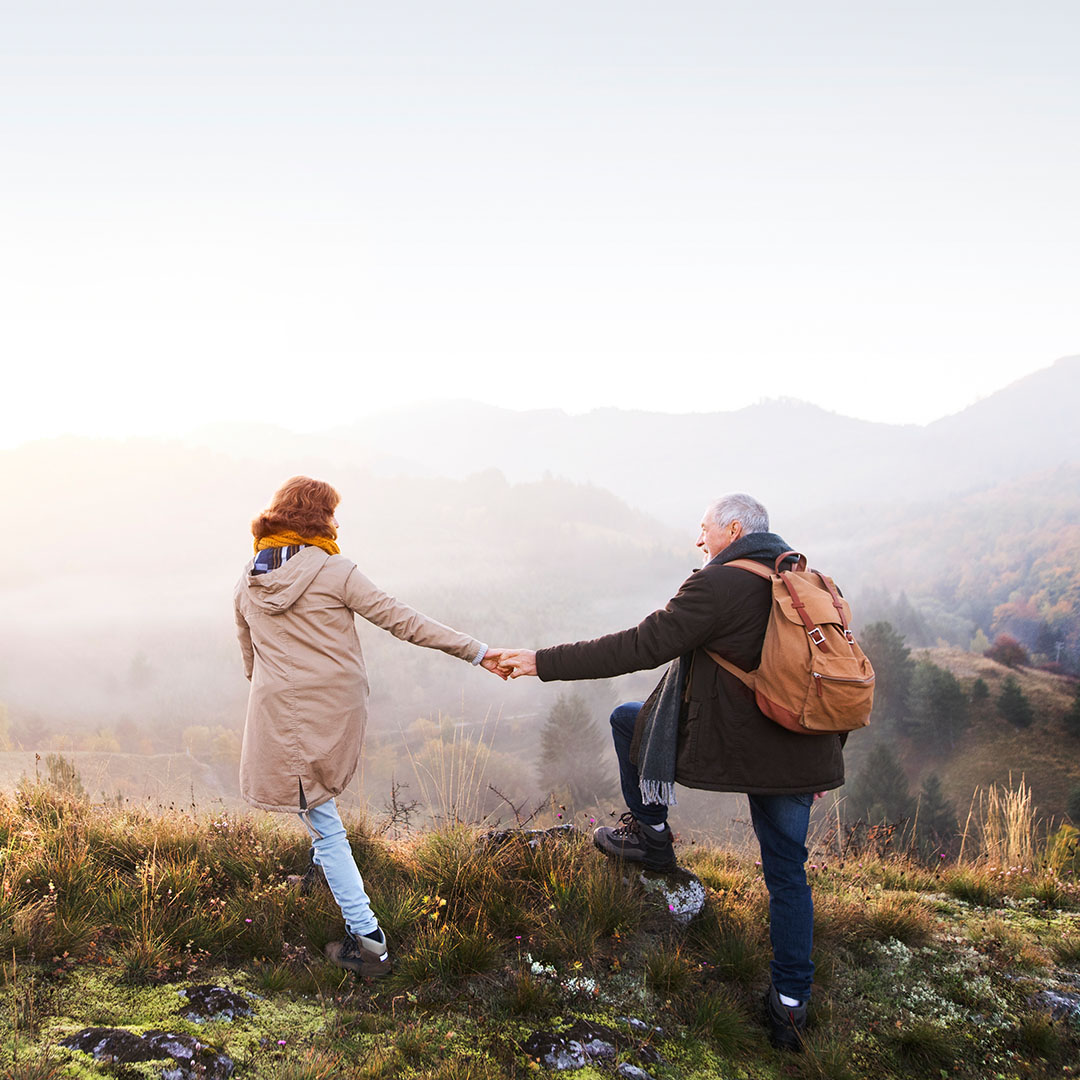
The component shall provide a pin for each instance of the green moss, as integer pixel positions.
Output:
(917, 971)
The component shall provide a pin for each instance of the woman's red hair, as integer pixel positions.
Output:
(300, 505)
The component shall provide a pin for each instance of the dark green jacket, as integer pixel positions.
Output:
(725, 742)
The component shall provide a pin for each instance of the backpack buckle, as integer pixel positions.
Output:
(816, 635)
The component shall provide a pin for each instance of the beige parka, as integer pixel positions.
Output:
(308, 702)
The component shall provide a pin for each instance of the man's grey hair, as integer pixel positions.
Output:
(742, 508)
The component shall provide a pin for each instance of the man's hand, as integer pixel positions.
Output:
(518, 662)
(492, 661)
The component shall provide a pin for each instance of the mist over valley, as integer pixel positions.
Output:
(524, 529)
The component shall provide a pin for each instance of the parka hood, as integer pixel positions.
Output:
(278, 590)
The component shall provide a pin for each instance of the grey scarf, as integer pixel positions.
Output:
(659, 717)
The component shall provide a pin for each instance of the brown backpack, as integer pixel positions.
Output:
(813, 677)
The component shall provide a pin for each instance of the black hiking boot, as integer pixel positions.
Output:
(634, 842)
(365, 954)
(787, 1023)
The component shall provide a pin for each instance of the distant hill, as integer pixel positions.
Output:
(523, 528)
(992, 751)
(795, 457)
(1005, 558)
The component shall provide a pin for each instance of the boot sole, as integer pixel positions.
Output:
(371, 969)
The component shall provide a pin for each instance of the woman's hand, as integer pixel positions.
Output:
(491, 661)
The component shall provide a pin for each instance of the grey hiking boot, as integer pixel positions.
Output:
(634, 842)
(311, 879)
(366, 954)
(787, 1023)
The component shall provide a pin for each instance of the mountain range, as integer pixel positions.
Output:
(797, 458)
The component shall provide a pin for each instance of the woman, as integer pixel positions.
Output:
(308, 703)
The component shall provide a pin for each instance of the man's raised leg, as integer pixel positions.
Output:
(642, 834)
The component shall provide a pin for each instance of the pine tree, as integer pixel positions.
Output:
(576, 756)
(1013, 705)
(880, 792)
(1072, 717)
(979, 690)
(937, 818)
(939, 706)
(893, 668)
(1072, 807)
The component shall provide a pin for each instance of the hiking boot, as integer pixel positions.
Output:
(787, 1023)
(634, 842)
(366, 954)
(310, 879)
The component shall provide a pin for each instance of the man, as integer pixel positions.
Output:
(702, 728)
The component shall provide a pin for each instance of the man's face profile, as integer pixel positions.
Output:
(714, 538)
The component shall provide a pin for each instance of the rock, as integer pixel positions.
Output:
(530, 837)
(598, 1043)
(632, 1072)
(119, 1046)
(650, 1055)
(1059, 1005)
(681, 892)
(584, 1042)
(213, 1003)
(554, 1051)
(639, 1027)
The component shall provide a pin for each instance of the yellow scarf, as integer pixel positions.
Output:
(291, 539)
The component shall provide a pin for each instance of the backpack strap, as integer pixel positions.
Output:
(751, 565)
(813, 631)
(742, 676)
(838, 604)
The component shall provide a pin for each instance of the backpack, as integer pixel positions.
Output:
(813, 677)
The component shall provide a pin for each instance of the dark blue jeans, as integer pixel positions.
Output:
(781, 823)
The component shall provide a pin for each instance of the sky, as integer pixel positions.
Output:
(300, 214)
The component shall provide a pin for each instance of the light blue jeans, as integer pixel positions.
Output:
(331, 851)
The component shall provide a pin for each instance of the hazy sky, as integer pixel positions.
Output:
(302, 212)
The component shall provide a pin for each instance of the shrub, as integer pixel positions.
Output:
(927, 1044)
(1008, 651)
(1013, 705)
(449, 955)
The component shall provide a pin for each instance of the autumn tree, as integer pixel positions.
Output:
(1008, 651)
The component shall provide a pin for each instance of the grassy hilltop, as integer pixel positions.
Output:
(105, 914)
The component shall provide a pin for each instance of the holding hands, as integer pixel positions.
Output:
(510, 663)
